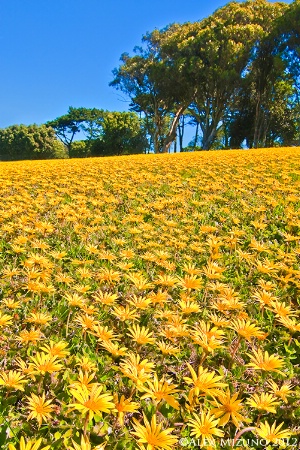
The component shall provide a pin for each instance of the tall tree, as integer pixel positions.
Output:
(215, 53)
(76, 120)
(154, 82)
(287, 38)
(266, 102)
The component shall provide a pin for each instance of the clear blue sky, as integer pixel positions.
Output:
(60, 53)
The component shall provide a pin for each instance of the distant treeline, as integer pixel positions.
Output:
(234, 75)
(105, 133)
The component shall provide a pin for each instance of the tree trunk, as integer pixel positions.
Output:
(171, 136)
(209, 134)
(196, 136)
(257, 120)
(181, 132)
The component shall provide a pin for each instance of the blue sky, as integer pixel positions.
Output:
(60, 53)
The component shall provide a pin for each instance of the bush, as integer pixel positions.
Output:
(122, 134)
(80, 149)
(19, 142)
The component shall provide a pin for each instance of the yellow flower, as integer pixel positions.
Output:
(265, 402)
(191, 269)
(139, 281)
(141, 335)
(5, 320)
(219, 321)
(123, 406)
(227, 408)
(289, 323)
(167, 280)
(245, 329)
(92, 402)
(103, 333)
(153, 436)
(135, 369)
(106, 298)
(159, 297)
(75, 300)
(10, 273)
(12, 380)
(29, 336)
(160, 390)
(188, 305)
(125, 313)
(139, 302)
(28, 445)
(281, 309)
(10, 303)
(212, 271)
(209, 344)
(272, 433)
(58, 349)
(109, 275)
(283, 392)
(113, 348)
(43, 363)
(266, 362)
(190, 282)
(84, 379)
(40, 408)
(87, 322)
(86, 364)
(40, 318)
(205, 427)
(167, 349)
(205, 382)
(85, 445)
(264, 297)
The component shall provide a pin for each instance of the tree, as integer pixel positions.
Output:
(153, 80)
(122, 133)
(266, 104)
(76, 120)
(29, 142)
(287, 47)
(215, 53)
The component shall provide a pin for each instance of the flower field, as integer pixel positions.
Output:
(150, 301)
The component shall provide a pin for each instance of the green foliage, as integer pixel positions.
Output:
(81, 149)
(236, 73)
(76, 120)
(122, 134)
(153, 81)
(29, 142)
(107, 133)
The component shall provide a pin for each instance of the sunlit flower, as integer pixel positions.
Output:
(160, 390)
(92, 402)
(205, 427)
(266, 362)
(40, 408)
(265, 402)
(272, 433)
(124, 406)
(13, 380)
(153, 435)
(29, 444)
(205, 383)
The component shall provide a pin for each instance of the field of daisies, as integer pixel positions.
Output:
(150, 302)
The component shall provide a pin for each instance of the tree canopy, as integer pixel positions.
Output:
(29, 142)
(233, 72)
